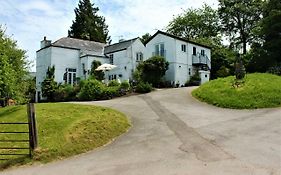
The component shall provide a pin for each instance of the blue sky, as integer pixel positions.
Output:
(28, 21)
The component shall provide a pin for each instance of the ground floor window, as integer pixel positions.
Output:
(69, 76)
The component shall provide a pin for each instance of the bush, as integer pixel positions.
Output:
(194, 80)
(275, 70)
(143, 87)
(92, 90)
(66, 93)
(113, 83)
(110, 92)
(125, 85)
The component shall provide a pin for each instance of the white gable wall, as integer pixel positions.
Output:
(64, 58)
(125, 60)
(43, 60)
(170, 53)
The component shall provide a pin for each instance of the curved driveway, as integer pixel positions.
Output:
(173, 134)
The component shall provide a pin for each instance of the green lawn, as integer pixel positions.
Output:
(64, 129)
(258, 91)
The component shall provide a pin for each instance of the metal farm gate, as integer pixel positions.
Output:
(18, 139)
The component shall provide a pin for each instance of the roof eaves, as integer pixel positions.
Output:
(175, 37)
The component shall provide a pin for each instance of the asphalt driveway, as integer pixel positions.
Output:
(173, 133)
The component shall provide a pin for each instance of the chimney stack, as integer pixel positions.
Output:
(45, 42)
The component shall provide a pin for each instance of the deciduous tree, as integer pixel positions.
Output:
(239, 18)
(13, 69)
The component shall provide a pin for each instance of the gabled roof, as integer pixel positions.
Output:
(123, 45)
(83, 45)
(175, 37)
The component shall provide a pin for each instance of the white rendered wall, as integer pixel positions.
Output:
(125, 60)
(64, 58)
(170, 51)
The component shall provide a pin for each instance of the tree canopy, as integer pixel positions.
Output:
(239, 18)
(195, 23)
(13, 69)
(271, 30)
(88, 25)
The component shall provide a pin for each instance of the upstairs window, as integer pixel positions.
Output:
(139, 57)
(160, 50)
(203, 52)
(111, 59)
(194, 51)
(183, 47)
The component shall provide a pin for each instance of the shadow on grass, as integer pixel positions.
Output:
(4, 164)
(9, 110)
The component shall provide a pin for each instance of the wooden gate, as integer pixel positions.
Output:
(19, 138)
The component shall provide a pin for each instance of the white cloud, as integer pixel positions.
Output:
(29, 21)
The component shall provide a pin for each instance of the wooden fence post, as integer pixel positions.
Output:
(32, 126)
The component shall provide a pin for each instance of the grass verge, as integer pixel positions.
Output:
(258, 91)
(63, 130)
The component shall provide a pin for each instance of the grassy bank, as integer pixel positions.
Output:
(64, 129)
(257, 91)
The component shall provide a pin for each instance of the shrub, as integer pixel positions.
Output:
(66, 93)
(125, 85)
(92, 90)
(110, 92)
(143, 87)
(275, 70)
(113, 83)
(194, 80)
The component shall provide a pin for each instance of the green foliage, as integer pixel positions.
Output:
(239, 18)
(88, 25)
(270, 30)
(64, 129)
(125, 85)
(143, 87)
(113, 83)
(91, 90)
(99, 75)
(275, 70)
(195, 23)
(152, 70)
(258, 91)
(194, 80)
(66, 92)
(145, 38)
(223, 72)
(13, 69)
(49, 85)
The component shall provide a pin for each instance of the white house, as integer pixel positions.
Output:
(126, 55)
(184, 57)
(73, 59)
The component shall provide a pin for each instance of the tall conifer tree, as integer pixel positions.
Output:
(88, 25)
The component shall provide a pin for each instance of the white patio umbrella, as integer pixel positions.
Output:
(105, 67)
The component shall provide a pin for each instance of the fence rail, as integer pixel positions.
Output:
(31, 140)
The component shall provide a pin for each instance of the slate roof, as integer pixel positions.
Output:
(119, 46)
(175, 37)
(86, 47)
